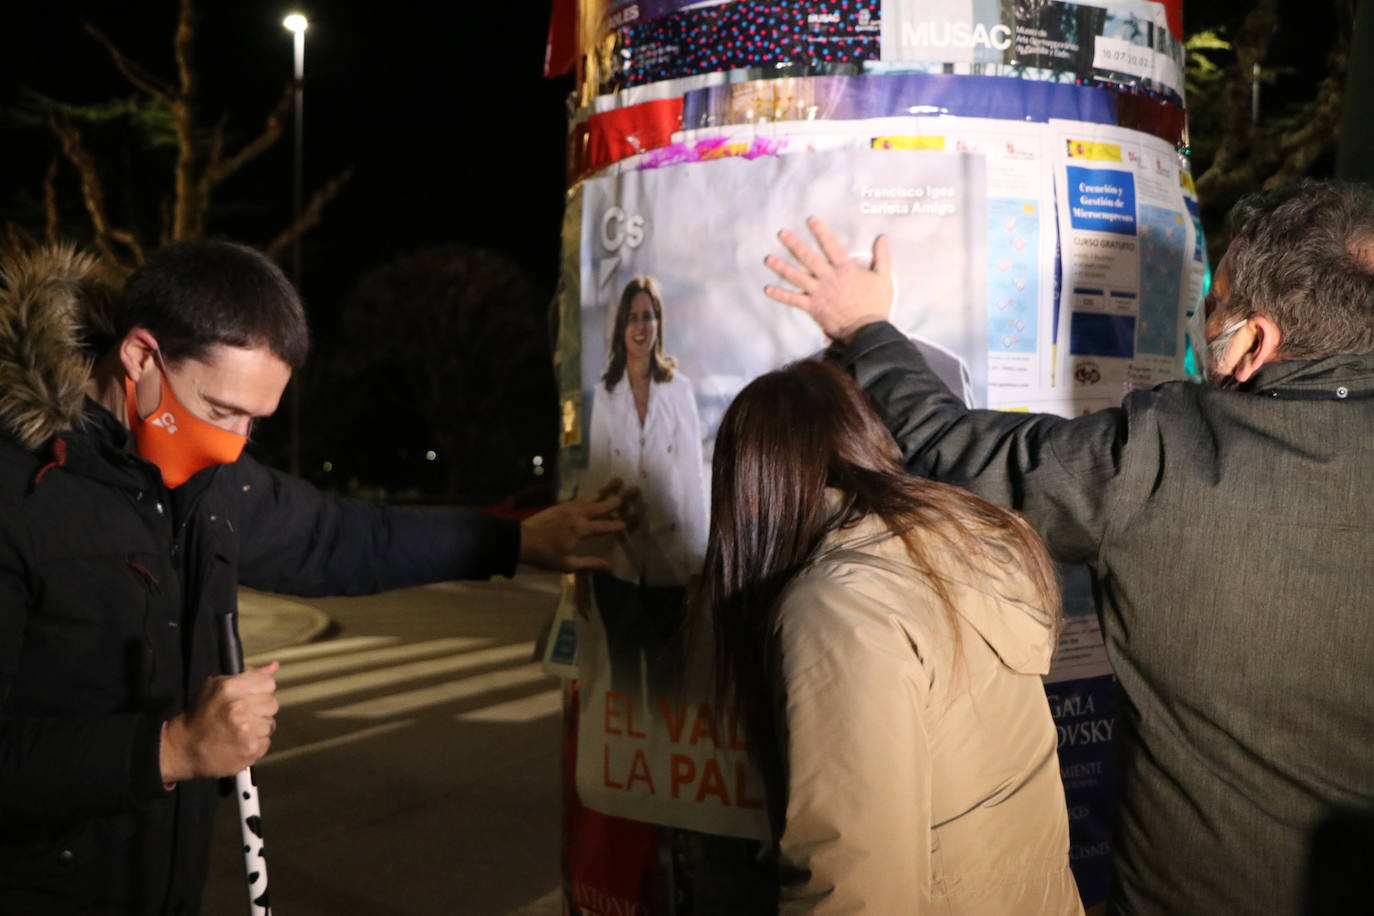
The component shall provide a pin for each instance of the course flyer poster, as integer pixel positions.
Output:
(1110, 206)
(1130, 272)
(671, 260)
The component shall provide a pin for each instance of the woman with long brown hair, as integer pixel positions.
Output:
(882, 636)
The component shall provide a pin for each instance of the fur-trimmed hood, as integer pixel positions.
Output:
(54, 308)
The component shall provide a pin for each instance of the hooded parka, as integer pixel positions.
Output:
(920, 763)
(113, 596)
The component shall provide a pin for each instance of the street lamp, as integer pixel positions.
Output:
(296, 23)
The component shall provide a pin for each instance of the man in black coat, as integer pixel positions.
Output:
(128, 519)
(1228, 529)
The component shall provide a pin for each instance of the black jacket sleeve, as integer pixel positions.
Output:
(295, 540)
(1058, 473)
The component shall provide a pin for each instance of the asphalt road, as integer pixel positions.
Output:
(415, 765)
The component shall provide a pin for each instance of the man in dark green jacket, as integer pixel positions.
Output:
(127, 521)
(1229, 530)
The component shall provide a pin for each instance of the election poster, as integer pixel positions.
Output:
(660, 267)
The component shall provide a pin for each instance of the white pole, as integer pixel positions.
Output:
(297, 24)
(250, 810)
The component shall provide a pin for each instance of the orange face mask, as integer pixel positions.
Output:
(177, 441)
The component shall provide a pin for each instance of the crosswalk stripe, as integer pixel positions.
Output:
(545, 583)
(525, 709)
(320, 666)
(292, 753)
(399, 704)
(320, 649)
(388, 677)
(551, 904)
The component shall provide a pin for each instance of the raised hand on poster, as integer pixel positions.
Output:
(551, 539)
(834, 288)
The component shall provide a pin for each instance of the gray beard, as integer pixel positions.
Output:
(1216, 352)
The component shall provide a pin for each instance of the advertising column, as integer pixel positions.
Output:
(1022, 159)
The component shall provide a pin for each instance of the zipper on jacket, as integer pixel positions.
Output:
(154, 589)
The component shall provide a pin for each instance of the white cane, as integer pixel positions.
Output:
(250, 812)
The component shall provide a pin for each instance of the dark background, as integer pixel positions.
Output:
(455, 138)
(440, 109)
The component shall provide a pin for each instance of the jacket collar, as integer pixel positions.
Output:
(1330, 378)
(102, 449)
(98, 448)
(54, 303)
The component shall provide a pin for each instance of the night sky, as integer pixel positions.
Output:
(441, 109)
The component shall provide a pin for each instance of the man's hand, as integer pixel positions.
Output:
(228, 727)
(550, 539)
(839, 293)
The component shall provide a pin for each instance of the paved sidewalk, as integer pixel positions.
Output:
(269, 623)
(551, 904)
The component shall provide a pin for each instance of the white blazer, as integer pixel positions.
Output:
(663, 459)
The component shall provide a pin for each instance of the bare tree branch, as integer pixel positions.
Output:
(17, 238)
(310, 216)
(216, 152)
(50, 203)
(219, 169)
(188, 215)
(92, 191)
(201, 163)
(131, 70)
(130, 241)
(183, 47)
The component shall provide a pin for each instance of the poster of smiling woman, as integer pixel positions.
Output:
(673, 323)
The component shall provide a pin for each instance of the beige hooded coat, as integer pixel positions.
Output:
(917, 783)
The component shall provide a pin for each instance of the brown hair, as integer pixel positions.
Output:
(660, 366)
(788, 436)
(194, 295)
